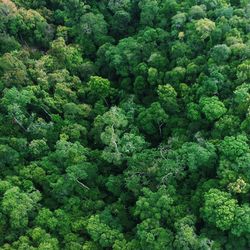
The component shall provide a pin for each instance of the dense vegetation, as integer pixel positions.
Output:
(125, 124)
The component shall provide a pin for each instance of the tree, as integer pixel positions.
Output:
(226, 125)
(178, 21)
(152, 236)
(219, 209)
(204, 27)
(115, 118)
(212, 107)
(176, 75)
(102, 233)
(91, 30)
(234, 146)
(214, 4)
(241, 223)
(120, 22)
(99, 87)
(196, 155)
(8, 44)
(46, 219)
(220, 53)
(168, 97)
(38, 148)
(197, 12)
(159, 200)
(66, 56)
(9, 156)
(149, 12)
(152, 119)
(37, 237)
(17, 205)
(186, 237)
(243, 71)
(15, 103)
(32, 26)
(13, 70)
(241, 98)
(125, 56)
(193, 111)
(157, 61)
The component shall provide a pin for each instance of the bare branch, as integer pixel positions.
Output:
(20, 124)
(83, 185)
(113, 141)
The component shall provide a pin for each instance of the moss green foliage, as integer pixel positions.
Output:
(124, 124)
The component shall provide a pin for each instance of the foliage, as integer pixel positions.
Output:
(124, 124)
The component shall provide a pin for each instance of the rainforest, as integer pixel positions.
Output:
(124, 124)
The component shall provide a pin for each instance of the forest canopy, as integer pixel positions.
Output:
(124, 124)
